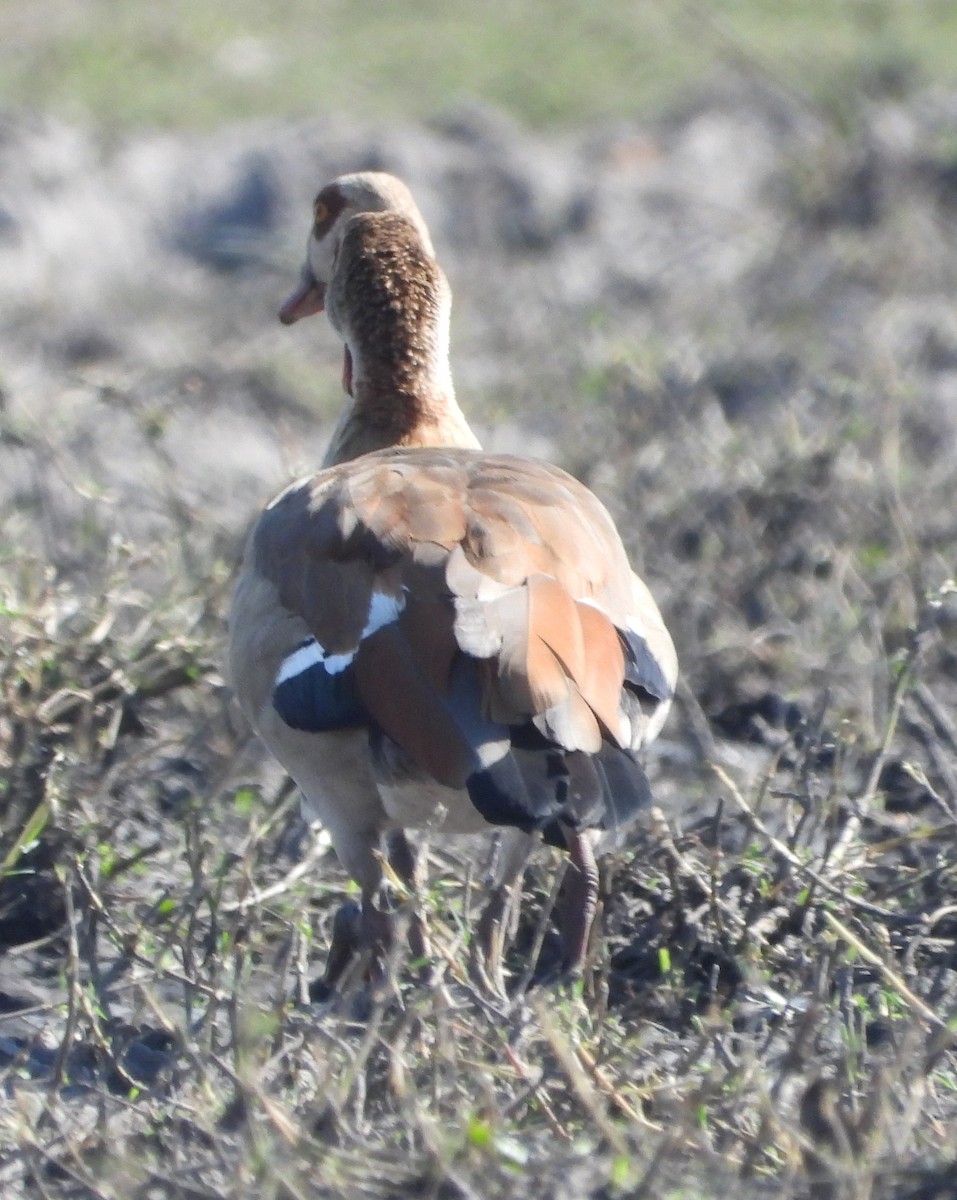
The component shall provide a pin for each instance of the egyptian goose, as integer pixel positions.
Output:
(428, 636)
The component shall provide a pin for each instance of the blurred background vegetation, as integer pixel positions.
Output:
(186, 64)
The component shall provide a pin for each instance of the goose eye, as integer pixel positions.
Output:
(320, 212)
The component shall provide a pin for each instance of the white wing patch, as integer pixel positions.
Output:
(383, 610)
(301, 659)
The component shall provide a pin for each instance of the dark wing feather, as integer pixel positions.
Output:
(642, 670)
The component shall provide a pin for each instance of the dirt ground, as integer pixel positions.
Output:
(736, 324)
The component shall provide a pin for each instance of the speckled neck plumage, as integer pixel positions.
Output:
(390, 302)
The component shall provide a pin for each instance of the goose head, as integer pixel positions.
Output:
(370, 265)
(335, 205)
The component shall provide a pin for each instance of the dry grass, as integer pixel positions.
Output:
(770, 1011)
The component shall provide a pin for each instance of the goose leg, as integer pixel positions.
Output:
(494, 924)
(580, 901)
(406, 860)
(346, 940)
(365, 929)
(369, 928)
(361, 933)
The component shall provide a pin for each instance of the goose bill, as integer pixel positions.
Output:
(308, 299)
